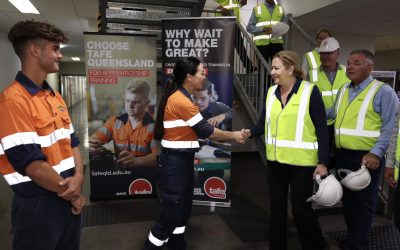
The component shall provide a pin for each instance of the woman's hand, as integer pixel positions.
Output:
(321, 169)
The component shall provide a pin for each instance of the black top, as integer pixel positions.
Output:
(318, 117)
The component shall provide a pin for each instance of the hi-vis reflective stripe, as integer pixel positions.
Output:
(260, 37)
(355, 132)
(1, 150)
(291, 144)
(329, 93)
(312, 59)
(231, 5)
(155, 241)
(314, 66)
(359, 130)
(33, 138)
(179, 144)
(181, 123)
(340, 97)
(297, 143)
(179, 230)
(266, 23)
(16, 178)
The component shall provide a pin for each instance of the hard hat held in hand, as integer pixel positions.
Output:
(329, 191)
(354, 180)
(279, 29)
(329, 44)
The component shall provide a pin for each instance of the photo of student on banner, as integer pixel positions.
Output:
(125, 141)
(216, 113)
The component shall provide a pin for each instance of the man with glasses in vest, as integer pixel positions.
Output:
(365, 112)
(330, 76)
(263, 17)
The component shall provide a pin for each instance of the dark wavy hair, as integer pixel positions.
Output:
(183, 67)
(24, 31)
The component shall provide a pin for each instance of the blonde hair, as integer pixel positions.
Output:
(138, 87)
(291, 58)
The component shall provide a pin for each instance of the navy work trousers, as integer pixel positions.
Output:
(176, 176)
(44, 223)
(358, 206)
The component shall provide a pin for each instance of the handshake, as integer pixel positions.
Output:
(241, 136)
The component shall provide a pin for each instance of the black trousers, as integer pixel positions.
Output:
(268, 51)
(44, 223)
(176, 177)
(358, 206)
(281, 177)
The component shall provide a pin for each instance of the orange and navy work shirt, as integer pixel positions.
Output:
(183, 123)
(139, 140)
(35, 126)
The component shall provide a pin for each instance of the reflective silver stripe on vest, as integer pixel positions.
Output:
(329, 93)
(359, 130)
(179, 144)
(297, 143)
(181, 123)
(179, 230)
(155, 241)
(314, 66)
(261, 37)
(231, 5)
(266, 23)
(16, 178)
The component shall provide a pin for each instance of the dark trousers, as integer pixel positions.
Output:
(300, 181)
(396, 207)
(176, 176)
(268, 51)
(358, 206)
(332, 148)
(44, 223)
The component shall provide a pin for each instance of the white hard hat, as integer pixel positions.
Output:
(356, 180)
(329, 44)
(279, 29)
(329, 191)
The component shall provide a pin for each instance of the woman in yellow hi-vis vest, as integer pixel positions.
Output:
(296, 137)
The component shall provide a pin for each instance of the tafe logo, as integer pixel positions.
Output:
(140, 186)
(215, 188)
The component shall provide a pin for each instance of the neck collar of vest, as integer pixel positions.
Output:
(147, 119)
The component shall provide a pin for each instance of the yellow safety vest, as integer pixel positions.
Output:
(328, 90)
(264, 19)
(357, 125)
(289, 132)
(230, 5)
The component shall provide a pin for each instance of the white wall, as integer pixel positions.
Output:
(9, 62)
(387, 60)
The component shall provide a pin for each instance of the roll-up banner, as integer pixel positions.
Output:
(212, 41)
(121, 77)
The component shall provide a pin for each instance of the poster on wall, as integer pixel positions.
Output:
(212, 41)
(121, 78)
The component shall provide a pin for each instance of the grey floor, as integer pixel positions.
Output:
(205, 231)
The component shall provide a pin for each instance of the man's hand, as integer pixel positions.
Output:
(78, 204)
(389, 176)
(267, 30)
(321, 169)
(74, 187)
(94, 144)
(371, 161)
(224, 12)
(216, 120)
(126, 159)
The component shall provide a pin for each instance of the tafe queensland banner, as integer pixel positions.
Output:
(212, 41)
(121, 72)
